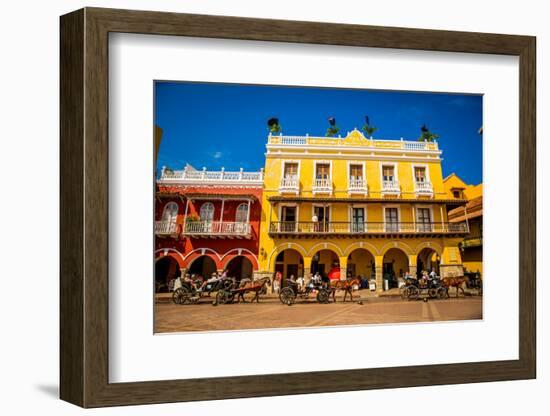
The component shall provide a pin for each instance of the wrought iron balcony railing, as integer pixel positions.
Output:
(216, 228)
(165, 227)
(333, 227)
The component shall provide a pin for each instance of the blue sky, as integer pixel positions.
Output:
(215, 125)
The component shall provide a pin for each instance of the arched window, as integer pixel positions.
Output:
(242, 213)
(207, 211)
(170, 212)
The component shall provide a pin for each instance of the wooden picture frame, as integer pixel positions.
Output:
(84, 207)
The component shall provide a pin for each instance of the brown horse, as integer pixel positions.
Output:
(255, 286)
(456, 282)
(345, 285)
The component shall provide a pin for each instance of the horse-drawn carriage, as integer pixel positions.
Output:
(293, 290)
(191, 291)
(423, 288)
(257, 287)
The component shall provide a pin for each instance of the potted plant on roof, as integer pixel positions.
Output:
(273, 125)
(426, 135)
(333, 129)
(368, 129)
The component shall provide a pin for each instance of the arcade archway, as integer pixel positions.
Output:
(240, 268)
(203, 266)
(166, 269)
(395, 264)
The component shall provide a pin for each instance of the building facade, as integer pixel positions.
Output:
(472, 246)
(205, 222)
(357, 206)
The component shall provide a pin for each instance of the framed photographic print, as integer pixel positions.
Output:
(328, 199)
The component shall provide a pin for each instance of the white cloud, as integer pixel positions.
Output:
(218, 155)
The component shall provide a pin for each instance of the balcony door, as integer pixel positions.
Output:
(420, 174)
(241, 218)
(392, 219)
(388, 173)
(357, 220)
(322, 171)
(290, 171)
(323, 218)
(207, 217)
(423, 220)
(288, 218)
(356, 176)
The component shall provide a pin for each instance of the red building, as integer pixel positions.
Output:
(206, 222)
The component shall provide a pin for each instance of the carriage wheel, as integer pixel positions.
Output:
(181, 296)
(287, 296)
(404, 291)
(323, 296)
(432, 292)
(223, 297)
(442, 293)
(413, 293)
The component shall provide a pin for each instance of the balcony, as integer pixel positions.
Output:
(166, 228)
(423, 188)
(390, 188)
(217, 229)
(472, 242)
(357, 186)
(322, 186)
(289, 184)
(200, 177)
(353, 139)
(351, 229)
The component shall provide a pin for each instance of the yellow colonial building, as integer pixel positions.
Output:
(366, 207)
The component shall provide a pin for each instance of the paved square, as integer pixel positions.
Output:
(270, 313)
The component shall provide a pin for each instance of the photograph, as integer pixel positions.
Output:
(295, 207)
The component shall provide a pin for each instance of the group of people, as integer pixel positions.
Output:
(195, 279)
(424, 276)
(314, 279)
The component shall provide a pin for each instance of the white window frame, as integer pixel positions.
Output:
(322, 162)
(350, 215)
(415, 215)
(364, 165)
(213, 210)
(285, 162)
(384, 207)
(172, 219)
(426, 170)
(395, 171)
(298, 162)
(245, 204)
(288, 204)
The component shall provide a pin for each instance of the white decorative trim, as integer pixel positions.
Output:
(325, 246)
(361, 245)
(397, 244)
(203, 251)
(239, 253)
(165, 250)
(429, 244)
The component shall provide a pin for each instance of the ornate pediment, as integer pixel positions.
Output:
(355, 137)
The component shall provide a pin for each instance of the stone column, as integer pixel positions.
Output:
(412, 264)
(343, 268)
(307, 267)
(379, 270)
